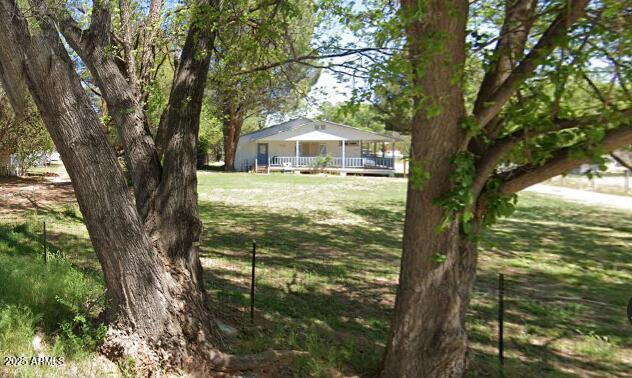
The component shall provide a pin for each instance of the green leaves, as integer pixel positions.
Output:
(254, 71)
(471, 127)
(419, 176)
(439, 258)
(459, 200)
(497, 204)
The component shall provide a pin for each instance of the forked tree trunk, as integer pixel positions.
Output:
(156, 306)
(148, 252)
(438, 266)
(232, 129)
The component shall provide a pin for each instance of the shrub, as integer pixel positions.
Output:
(322, 162)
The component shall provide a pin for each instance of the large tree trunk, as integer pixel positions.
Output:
(438, 267)
(232, 129)
(428, 337)
(157, 310)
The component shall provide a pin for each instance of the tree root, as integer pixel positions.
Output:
(221, 361)
(134, 354)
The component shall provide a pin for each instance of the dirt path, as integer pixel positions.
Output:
(583, 196)
(40, 192)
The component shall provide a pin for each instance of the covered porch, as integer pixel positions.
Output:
(305, 145)
(334, 155)
(324, 154)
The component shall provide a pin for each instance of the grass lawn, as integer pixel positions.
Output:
(328, 260)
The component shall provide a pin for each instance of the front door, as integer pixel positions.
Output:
(262, 153)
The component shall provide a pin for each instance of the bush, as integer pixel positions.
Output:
(322, 162)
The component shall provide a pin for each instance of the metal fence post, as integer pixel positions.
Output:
(501, 310)
(45, 245)
(252, 282)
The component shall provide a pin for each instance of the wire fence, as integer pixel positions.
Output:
(253, 287)
(44, 236)
(242, 281)
(248, 284)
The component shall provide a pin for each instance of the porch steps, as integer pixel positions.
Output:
(261, 168)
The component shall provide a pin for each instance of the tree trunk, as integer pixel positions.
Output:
(156, 307)
(232, 129)
(427, 336)
(157, 310)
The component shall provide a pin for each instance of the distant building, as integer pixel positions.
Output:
(303, 144)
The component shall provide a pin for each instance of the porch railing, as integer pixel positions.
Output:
(335, 162)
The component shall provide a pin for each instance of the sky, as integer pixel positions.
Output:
(327, 88)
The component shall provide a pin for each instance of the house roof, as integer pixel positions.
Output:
(305, 129)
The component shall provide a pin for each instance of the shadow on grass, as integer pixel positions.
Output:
(317, 274)
(326, 282)
(326, 287)
(567, 272)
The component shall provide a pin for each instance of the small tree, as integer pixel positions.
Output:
(241, 83)
(23, 137)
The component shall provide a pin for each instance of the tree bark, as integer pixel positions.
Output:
(121, 95)
(138, 286)
(231, 138)
(157, 310)
(231, 129)
(427, 336)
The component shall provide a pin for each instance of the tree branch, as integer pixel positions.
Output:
(126, 43)
(177, 194)
(509, 49)
(127, 114)
(488, 162)
(563, 161)
(148, 55)
(551, 38)
(310, 57)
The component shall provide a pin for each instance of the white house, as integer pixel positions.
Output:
(8, 165)
(302, 144)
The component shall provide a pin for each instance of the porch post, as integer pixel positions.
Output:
(297, 152)
(343, 154)
(393, 153)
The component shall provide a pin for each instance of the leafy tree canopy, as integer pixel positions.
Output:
(23, 136)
